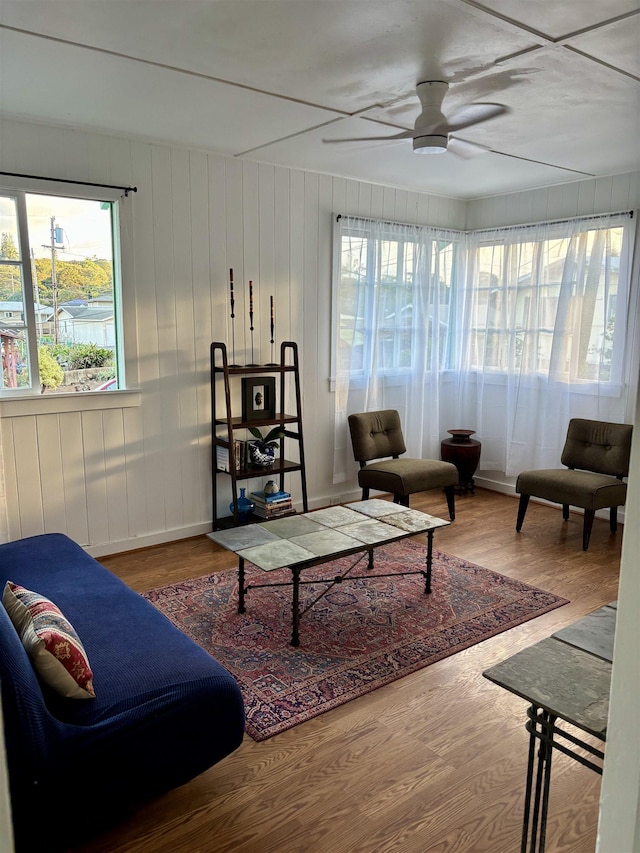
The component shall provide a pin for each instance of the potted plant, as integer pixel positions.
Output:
(262, 451)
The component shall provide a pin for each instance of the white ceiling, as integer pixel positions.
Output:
(269, 79)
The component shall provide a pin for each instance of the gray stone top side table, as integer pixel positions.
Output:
(566, 678)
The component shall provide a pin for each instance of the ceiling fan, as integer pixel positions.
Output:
(432, 132)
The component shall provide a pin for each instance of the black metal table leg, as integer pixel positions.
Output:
(241, 585)
(427, 588)
(547, 744)
(540, 727)
(529, 787)
(295, 607)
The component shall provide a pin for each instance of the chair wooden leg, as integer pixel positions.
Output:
(522, 508)
(403, 500)
(613, 518)
(565, 512)
(450, 494)
(365, 493)
(589, 515)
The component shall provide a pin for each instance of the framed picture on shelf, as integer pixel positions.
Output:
(258, 398)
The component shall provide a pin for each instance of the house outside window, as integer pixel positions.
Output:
(59, 294)
(393, 301)
(547, 306)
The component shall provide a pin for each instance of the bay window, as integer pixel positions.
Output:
(508, 331)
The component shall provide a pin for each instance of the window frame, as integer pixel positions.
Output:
(397, 374)
(467, 257)
(25, 401)
(497, 239)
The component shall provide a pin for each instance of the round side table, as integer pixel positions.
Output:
(464, 452)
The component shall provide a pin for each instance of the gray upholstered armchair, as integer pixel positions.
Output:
(596, 454)
(377, 435)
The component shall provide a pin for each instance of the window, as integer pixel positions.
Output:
(392, 297)
(545, 302)
(508, 331)
(59, 286)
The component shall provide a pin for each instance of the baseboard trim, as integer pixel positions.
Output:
(162, 537)
(138, 542)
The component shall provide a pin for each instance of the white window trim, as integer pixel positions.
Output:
(52, 404)
(614, 388)
(25, 402)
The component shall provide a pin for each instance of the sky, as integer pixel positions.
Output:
(86, 228)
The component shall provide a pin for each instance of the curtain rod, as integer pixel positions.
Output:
(586, 218)
(125, 190)
(628, 213)
(403, 224)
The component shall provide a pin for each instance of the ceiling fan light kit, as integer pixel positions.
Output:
(433, 144)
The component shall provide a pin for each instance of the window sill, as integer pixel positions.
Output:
(60, 403)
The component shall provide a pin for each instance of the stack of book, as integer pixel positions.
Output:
(240, 455)
(272, 505)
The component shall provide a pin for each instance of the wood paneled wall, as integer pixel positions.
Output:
(131, 475)
(581, 198)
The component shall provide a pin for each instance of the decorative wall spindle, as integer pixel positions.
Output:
(253, 364)
(233, 318)
(272, 328)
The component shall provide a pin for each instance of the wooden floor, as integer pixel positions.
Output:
(433, 763)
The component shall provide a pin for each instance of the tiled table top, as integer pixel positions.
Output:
(569, 682)
(594, 633)
(569, 673)
(330, 532)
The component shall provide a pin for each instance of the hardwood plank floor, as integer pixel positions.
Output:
(433, 763)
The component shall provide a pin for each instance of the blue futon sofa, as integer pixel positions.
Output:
(164, 709)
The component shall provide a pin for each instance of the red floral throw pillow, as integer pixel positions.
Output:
(52, 644)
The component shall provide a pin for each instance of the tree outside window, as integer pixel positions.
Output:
(58, 293)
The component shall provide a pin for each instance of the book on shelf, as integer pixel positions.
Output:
(274, 507)
(275, 512)
(240, 449)
(239, 454)
(222, 458)
(272, 498)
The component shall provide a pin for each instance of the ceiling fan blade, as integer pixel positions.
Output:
(406, 134)
(465, 149)
(471, 115)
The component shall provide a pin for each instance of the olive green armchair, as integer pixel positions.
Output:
(377, 436)
(596, 454)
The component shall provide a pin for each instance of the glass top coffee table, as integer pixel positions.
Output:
(313, 538)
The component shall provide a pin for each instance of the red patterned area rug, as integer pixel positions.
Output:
(361, 635)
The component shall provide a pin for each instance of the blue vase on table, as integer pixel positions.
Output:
(245, 506)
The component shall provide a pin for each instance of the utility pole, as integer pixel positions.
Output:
(56, 237)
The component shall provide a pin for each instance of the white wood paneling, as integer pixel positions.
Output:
(28, 484)
(50, 464)
(115, 474)
(73, 493)
(199, 176)
(134, 499)
(131, 475)
(581, 198)
(96, 486)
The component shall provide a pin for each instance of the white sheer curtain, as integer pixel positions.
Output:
(509, 332)
(548, 324)
(394, 304)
